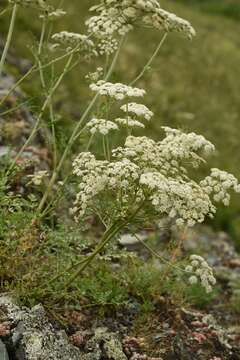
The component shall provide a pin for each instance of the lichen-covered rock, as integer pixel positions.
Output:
(104, 345)
(3, 351)
(34, 337)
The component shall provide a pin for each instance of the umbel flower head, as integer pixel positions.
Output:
(138, 110)
(200, 272)
(117, 91)
(119, 16)
(101, 126)
(53, 15)
(152, 175)
(72, 40)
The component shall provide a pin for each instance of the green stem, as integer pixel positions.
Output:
(155, 254)
(148, 64)
(109, 234)
(104, 147)
(54, 143)
(40, 52)
(74, 133)
(4, 11)
(17, 84)
(9, 38)
(33, 69)
(89, 142)
(38, 120)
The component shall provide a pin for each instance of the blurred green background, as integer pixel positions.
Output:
(193, 85)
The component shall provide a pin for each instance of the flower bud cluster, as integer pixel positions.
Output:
(117, 91)
(219, 183)
(201, 272)
(138, 109)
(101, 125)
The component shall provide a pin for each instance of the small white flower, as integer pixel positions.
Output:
(54, 15)
(138, 109)
(38, 177)
(131, 123)
(118, 91)
(101, 125)
(189, 268)
(202, 271)
(71, 40)
(193, 280)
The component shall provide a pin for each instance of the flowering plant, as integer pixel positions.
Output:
(139, 177)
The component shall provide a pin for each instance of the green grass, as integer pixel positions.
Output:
(200, 78)
(228, 8)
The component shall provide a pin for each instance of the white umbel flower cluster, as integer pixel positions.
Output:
(130, 123)
(117, 91)
(119, 16)
(182, 200)
(164, 20)
(107, 46)
(108, 22)
(72, 40)
(117, 178)
(160, 178)
(182, 146)
(138, 109)
(219, 183)
(54, 15)
(38, 177)
(169, 154)
(101, 126)
(201, 272)
(96, 75)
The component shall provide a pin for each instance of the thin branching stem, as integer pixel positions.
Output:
(45, 105)
(157, 255)
(113, 230)
(73, 136)
(9, 38)
(34, 69)
(109, 234)
(150, 61)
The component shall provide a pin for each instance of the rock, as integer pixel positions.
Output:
(4, 329)
(3, 351)
(33, 337)
(104, 345)
(128, 240)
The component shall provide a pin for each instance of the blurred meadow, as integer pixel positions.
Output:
(194, 85)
